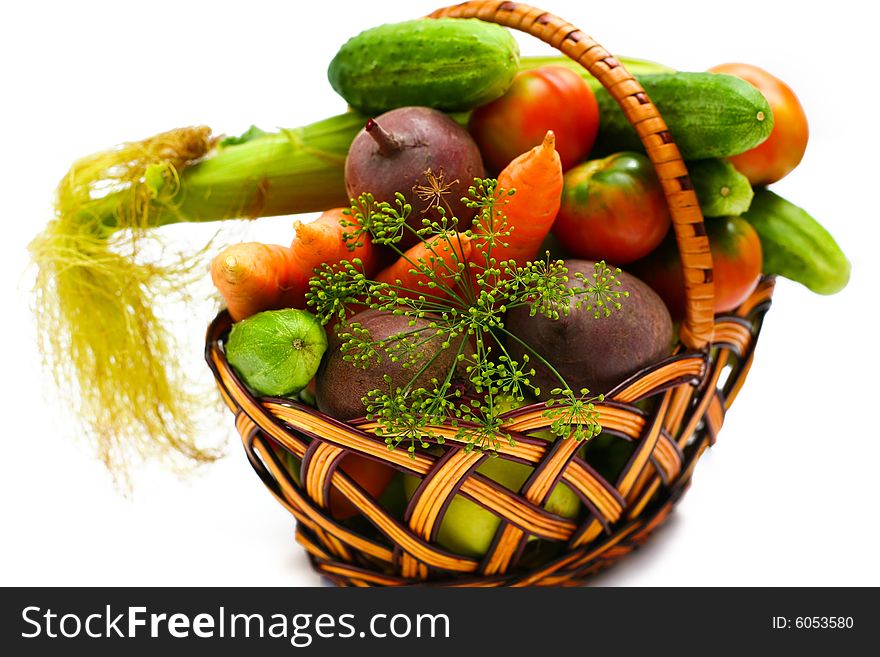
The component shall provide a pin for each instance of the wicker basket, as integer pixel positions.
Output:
(691, 391)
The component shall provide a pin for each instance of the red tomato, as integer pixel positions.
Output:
(736, 266)
(547, 98)
(783, 150)
(612, 209)
(373, 477)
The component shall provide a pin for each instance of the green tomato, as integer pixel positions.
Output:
(277, 352)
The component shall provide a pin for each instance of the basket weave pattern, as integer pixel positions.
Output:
(691, 391)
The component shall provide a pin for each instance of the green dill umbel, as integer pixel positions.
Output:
(459, 303)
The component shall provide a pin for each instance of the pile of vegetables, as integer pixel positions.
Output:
(477, 209)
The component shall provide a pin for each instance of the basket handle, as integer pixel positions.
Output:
(687, 219)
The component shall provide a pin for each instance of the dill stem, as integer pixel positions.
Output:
(543, 360)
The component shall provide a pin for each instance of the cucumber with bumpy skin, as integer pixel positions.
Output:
(708, 115)
(635, 66)
(721, 189)
(796, 246)
(450, 64)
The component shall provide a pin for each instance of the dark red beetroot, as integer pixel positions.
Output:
(593, 353)
(341, 385)
(421, 153)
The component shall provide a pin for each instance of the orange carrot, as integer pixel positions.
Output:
(253, 277)
(320, 241)
(537, 178)
(440, 255)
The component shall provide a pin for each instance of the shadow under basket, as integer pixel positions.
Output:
(665, 416)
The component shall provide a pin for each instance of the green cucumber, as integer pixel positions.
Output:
(708, 115)
(450, 64)
(635, 66)
(722, 190)
(796, 246)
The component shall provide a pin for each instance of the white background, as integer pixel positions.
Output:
(787, 497)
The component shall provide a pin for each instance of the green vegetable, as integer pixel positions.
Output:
(448, 64)
(721, 189)
(796, 246)
(248, 135)
(287, 172)
(708, 115)
(307, 397)
(277, 352)
(637, 67)
(290, 463)
(393, 498)
(608, 454)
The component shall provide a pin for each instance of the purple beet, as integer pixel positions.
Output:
(341, 385)
(593, 353)
(421, 153)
